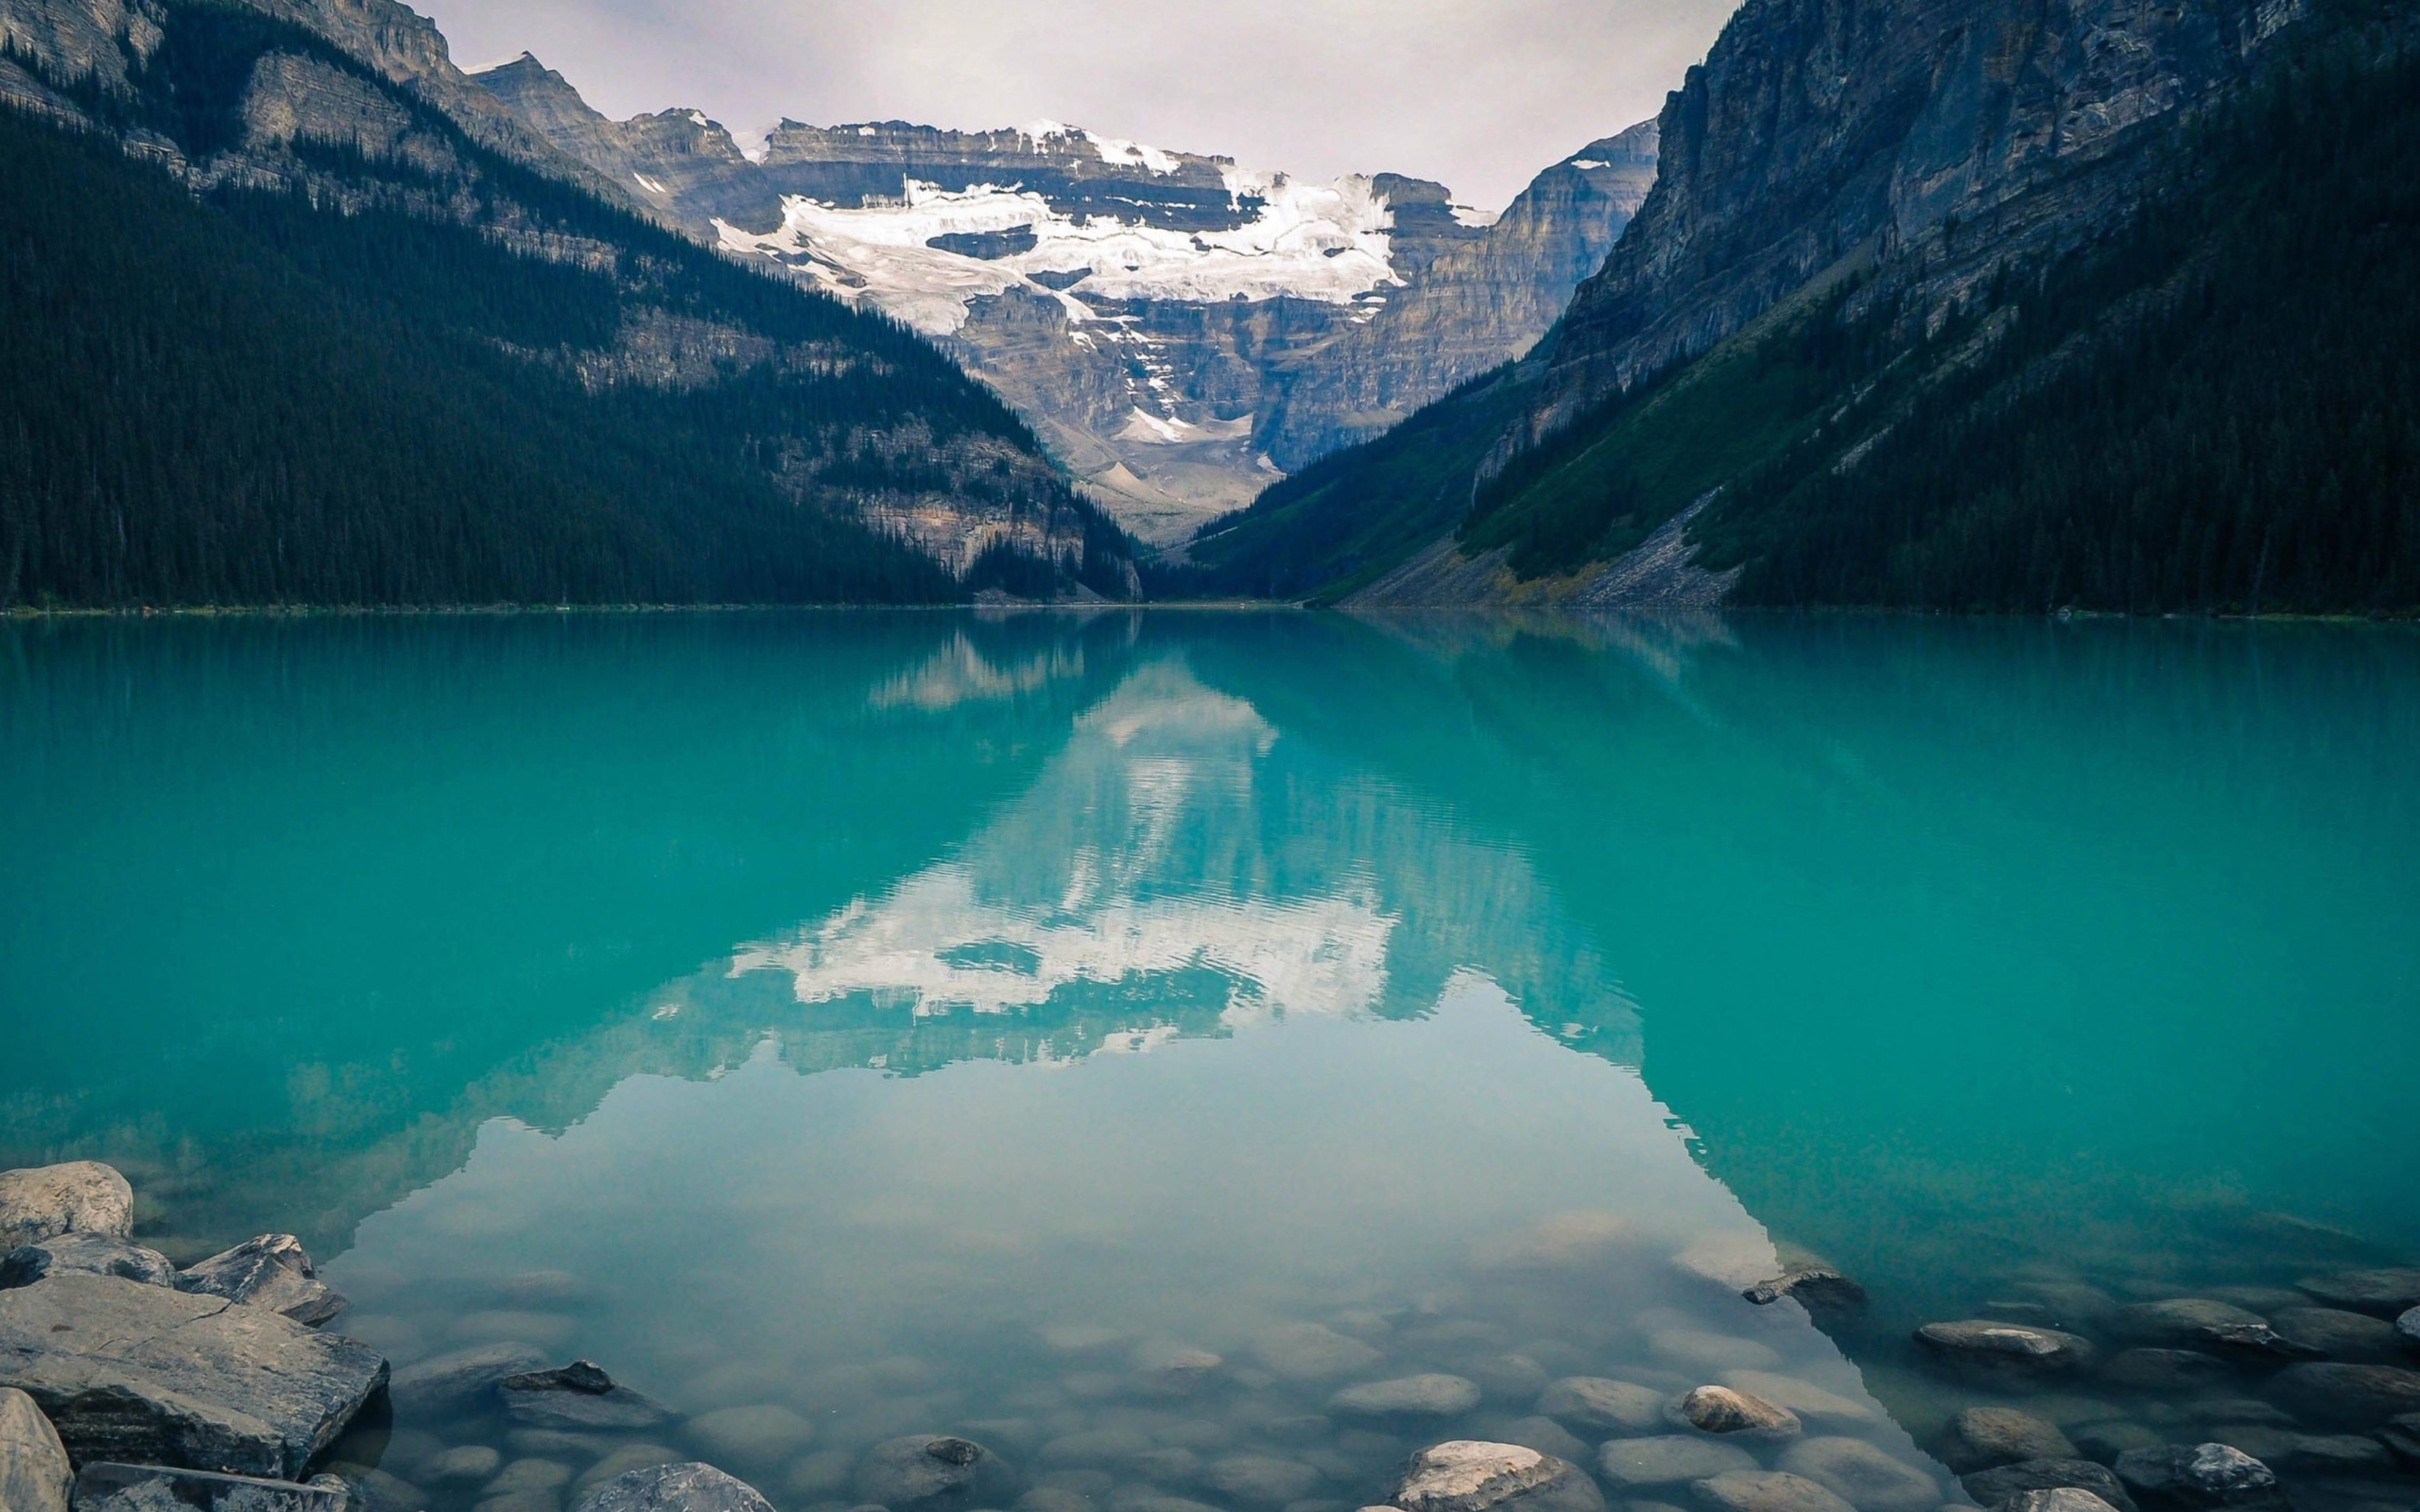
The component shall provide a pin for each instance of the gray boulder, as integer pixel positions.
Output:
(905, 1472)
(1766, 1491)
(675, 1489)
(2337, 1334)
(1470, 1476)
(1593, 1402)
(2344, 1396)
(1862, 1475)
(85, 1254)
(79, 1198)
(34, 1473)
(1734, 1414)
(578, 1396)
(270, 1271)
(432, 1390)
(2058, 1499)
(1312, 1351)
(1980, 1437)
(146, 1375)
(1673, 1459)
(2199, 1323)
(1994, 1353)
(2199, 1476)
(1422, 1396)
(2383, 1293)
(161, 1489)
(1993, 1487)
(1816, 1288)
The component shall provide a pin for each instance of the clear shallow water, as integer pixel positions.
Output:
(924, 1024)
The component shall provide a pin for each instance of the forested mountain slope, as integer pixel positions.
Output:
(299, 316)
(2047, 323)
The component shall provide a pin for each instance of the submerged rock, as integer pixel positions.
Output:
(2164, 1370)
(903, 1472)
(2107, 1440)
(146, 1375)
(1734, 1414)
(2407, 1328)
(2384, 1293)
(2336, 1333)
(85, 1254)
(2313, 1453)
(2199, 1476)
(1766, 1491)
(1673, 1459)
(2401, 1436)
(579, 1396)
(270, 1271)
(1981, 1437)
(1605, 1406)
(1993, 1487)
(449, 1383)
(34, 1473)
(1422, 1396)
(2199, 1323)
(1992, 1352)
(1808, 1400)
(1263, 1479)
(763, 1435)
(2058, 1499)
(78, 1197)
(1469, 1476)
(163, 1488)
(1817, 1288)
(689, 1488)
(1862, 1475)
(1541, 1434)
(1167, 1370)
(465, 1464)
(1312, 1351)
(2347, 1396)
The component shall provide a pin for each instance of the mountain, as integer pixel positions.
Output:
(1177, 328)
(299, 315)
(2101, 305)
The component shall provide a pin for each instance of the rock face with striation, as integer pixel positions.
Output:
(1178, 328)
(87, 1254)
(675, 1489)
(270, 1271)
(144, 1374)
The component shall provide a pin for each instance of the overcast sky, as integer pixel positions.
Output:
(1478, 93)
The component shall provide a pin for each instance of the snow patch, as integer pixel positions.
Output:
(1125, 154)
(754, 145)
(1153, 430)
(649, 184)
(1323, 242)
(1476, 218)
(698, 118)
(1585, 165)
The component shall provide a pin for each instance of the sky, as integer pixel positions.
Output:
(1479, 94)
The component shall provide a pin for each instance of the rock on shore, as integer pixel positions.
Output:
(79, 1198)
(1992, 1352)
(34, 1473)
(88, 1254)
(271, 1271)
(149, 1375)
(675, 1489)
(1469, 1476)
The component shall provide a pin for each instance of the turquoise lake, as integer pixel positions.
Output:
(1112, 1037)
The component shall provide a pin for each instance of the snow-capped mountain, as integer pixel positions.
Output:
(1181, 329)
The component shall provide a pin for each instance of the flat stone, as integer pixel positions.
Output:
(449, 1383)
(1993, 1487)
(579, 1396)
(2199, 1475)
(146, 1375)
(2057, 1499)
(1672, 1459)
(1808, 1400)
(1422, 1396)
(2200, 1323)
(1467, 1475)
(78, 1197)
(34, 1473)
(2340, 1396)
(902, 1472)
(2164, 1370)
(1162, 1369)
(2384, 1293)
(1263, 1479)
(1597, 1403)
(1506, 1377)
(85, 1254)
(1312, 1352)
(1994, 1351)
(1862, 1475)
(526, 1475)
(1734, 1415)
(2337, 1334)
(1766, 1491)
(165, 1488)
(1980, 1437)
(1816, 1288)
(689, 1488)
(270, 1271)
(464, 1465)
(765, 1433)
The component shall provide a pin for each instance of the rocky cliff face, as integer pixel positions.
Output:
(354, 104)
(1926, 142)
(1179, 330)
